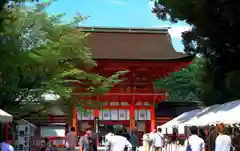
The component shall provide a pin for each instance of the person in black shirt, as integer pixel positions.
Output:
(126, 134)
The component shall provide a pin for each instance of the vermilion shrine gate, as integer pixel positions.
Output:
(148, 55)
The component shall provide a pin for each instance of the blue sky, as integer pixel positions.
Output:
(117, 13)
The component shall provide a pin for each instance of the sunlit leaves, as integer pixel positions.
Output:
(183, 85)
(41, 54)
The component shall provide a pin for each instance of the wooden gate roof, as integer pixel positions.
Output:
(131, 44)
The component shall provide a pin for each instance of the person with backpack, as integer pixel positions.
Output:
(87, 142)
(194, 142)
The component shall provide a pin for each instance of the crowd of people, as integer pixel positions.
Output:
(153, 141)
(118, 139)
(215, 139)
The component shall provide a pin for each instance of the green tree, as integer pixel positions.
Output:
(5, 5)
(183, 85)
(40, 54)
(213, 35)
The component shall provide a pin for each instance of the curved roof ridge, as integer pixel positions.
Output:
(131, 43)
(124, 29)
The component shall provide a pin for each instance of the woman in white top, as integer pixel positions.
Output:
(223, 141)
(146, 142)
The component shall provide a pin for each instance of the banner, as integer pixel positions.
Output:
(23, 138)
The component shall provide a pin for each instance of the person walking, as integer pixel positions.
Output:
(71, 139)
(117, 142)
(87, 142)
(158, 140)
(194, 142)
(151, 136)
(126, 134)
(133, 139)
(223, 141)
(110, 132)
(146, 142)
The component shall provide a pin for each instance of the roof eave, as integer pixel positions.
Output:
(123, 30)
(180, 58)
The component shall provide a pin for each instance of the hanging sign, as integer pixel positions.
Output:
(142, 114)
(106, 115)
(87, 115)
(122, 114)
(23, 137)
(114, 114)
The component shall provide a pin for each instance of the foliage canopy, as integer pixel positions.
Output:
(214, 24)
(40, 55)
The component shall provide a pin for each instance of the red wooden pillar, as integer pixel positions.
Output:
(96, 117)
(153, 117)
(75, 120)
(6, 132)
(132, 102)
(132, 118)
(96, 113)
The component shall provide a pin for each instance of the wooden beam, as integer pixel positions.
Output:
(134, 94)
(137, 64)
(121, 107)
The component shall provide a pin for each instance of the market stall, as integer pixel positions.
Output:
(228, 113)
(167, 127)
(5, 117)
(210, 120)
(216, 114)
(205, 117)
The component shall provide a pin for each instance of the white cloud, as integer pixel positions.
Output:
(176, 30)
(151, 4)
(118, 2)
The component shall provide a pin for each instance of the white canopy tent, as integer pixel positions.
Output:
(225, 113)
(228, 113)
(181, 118)
(205, 117)
(5, 117)
(168, 127)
